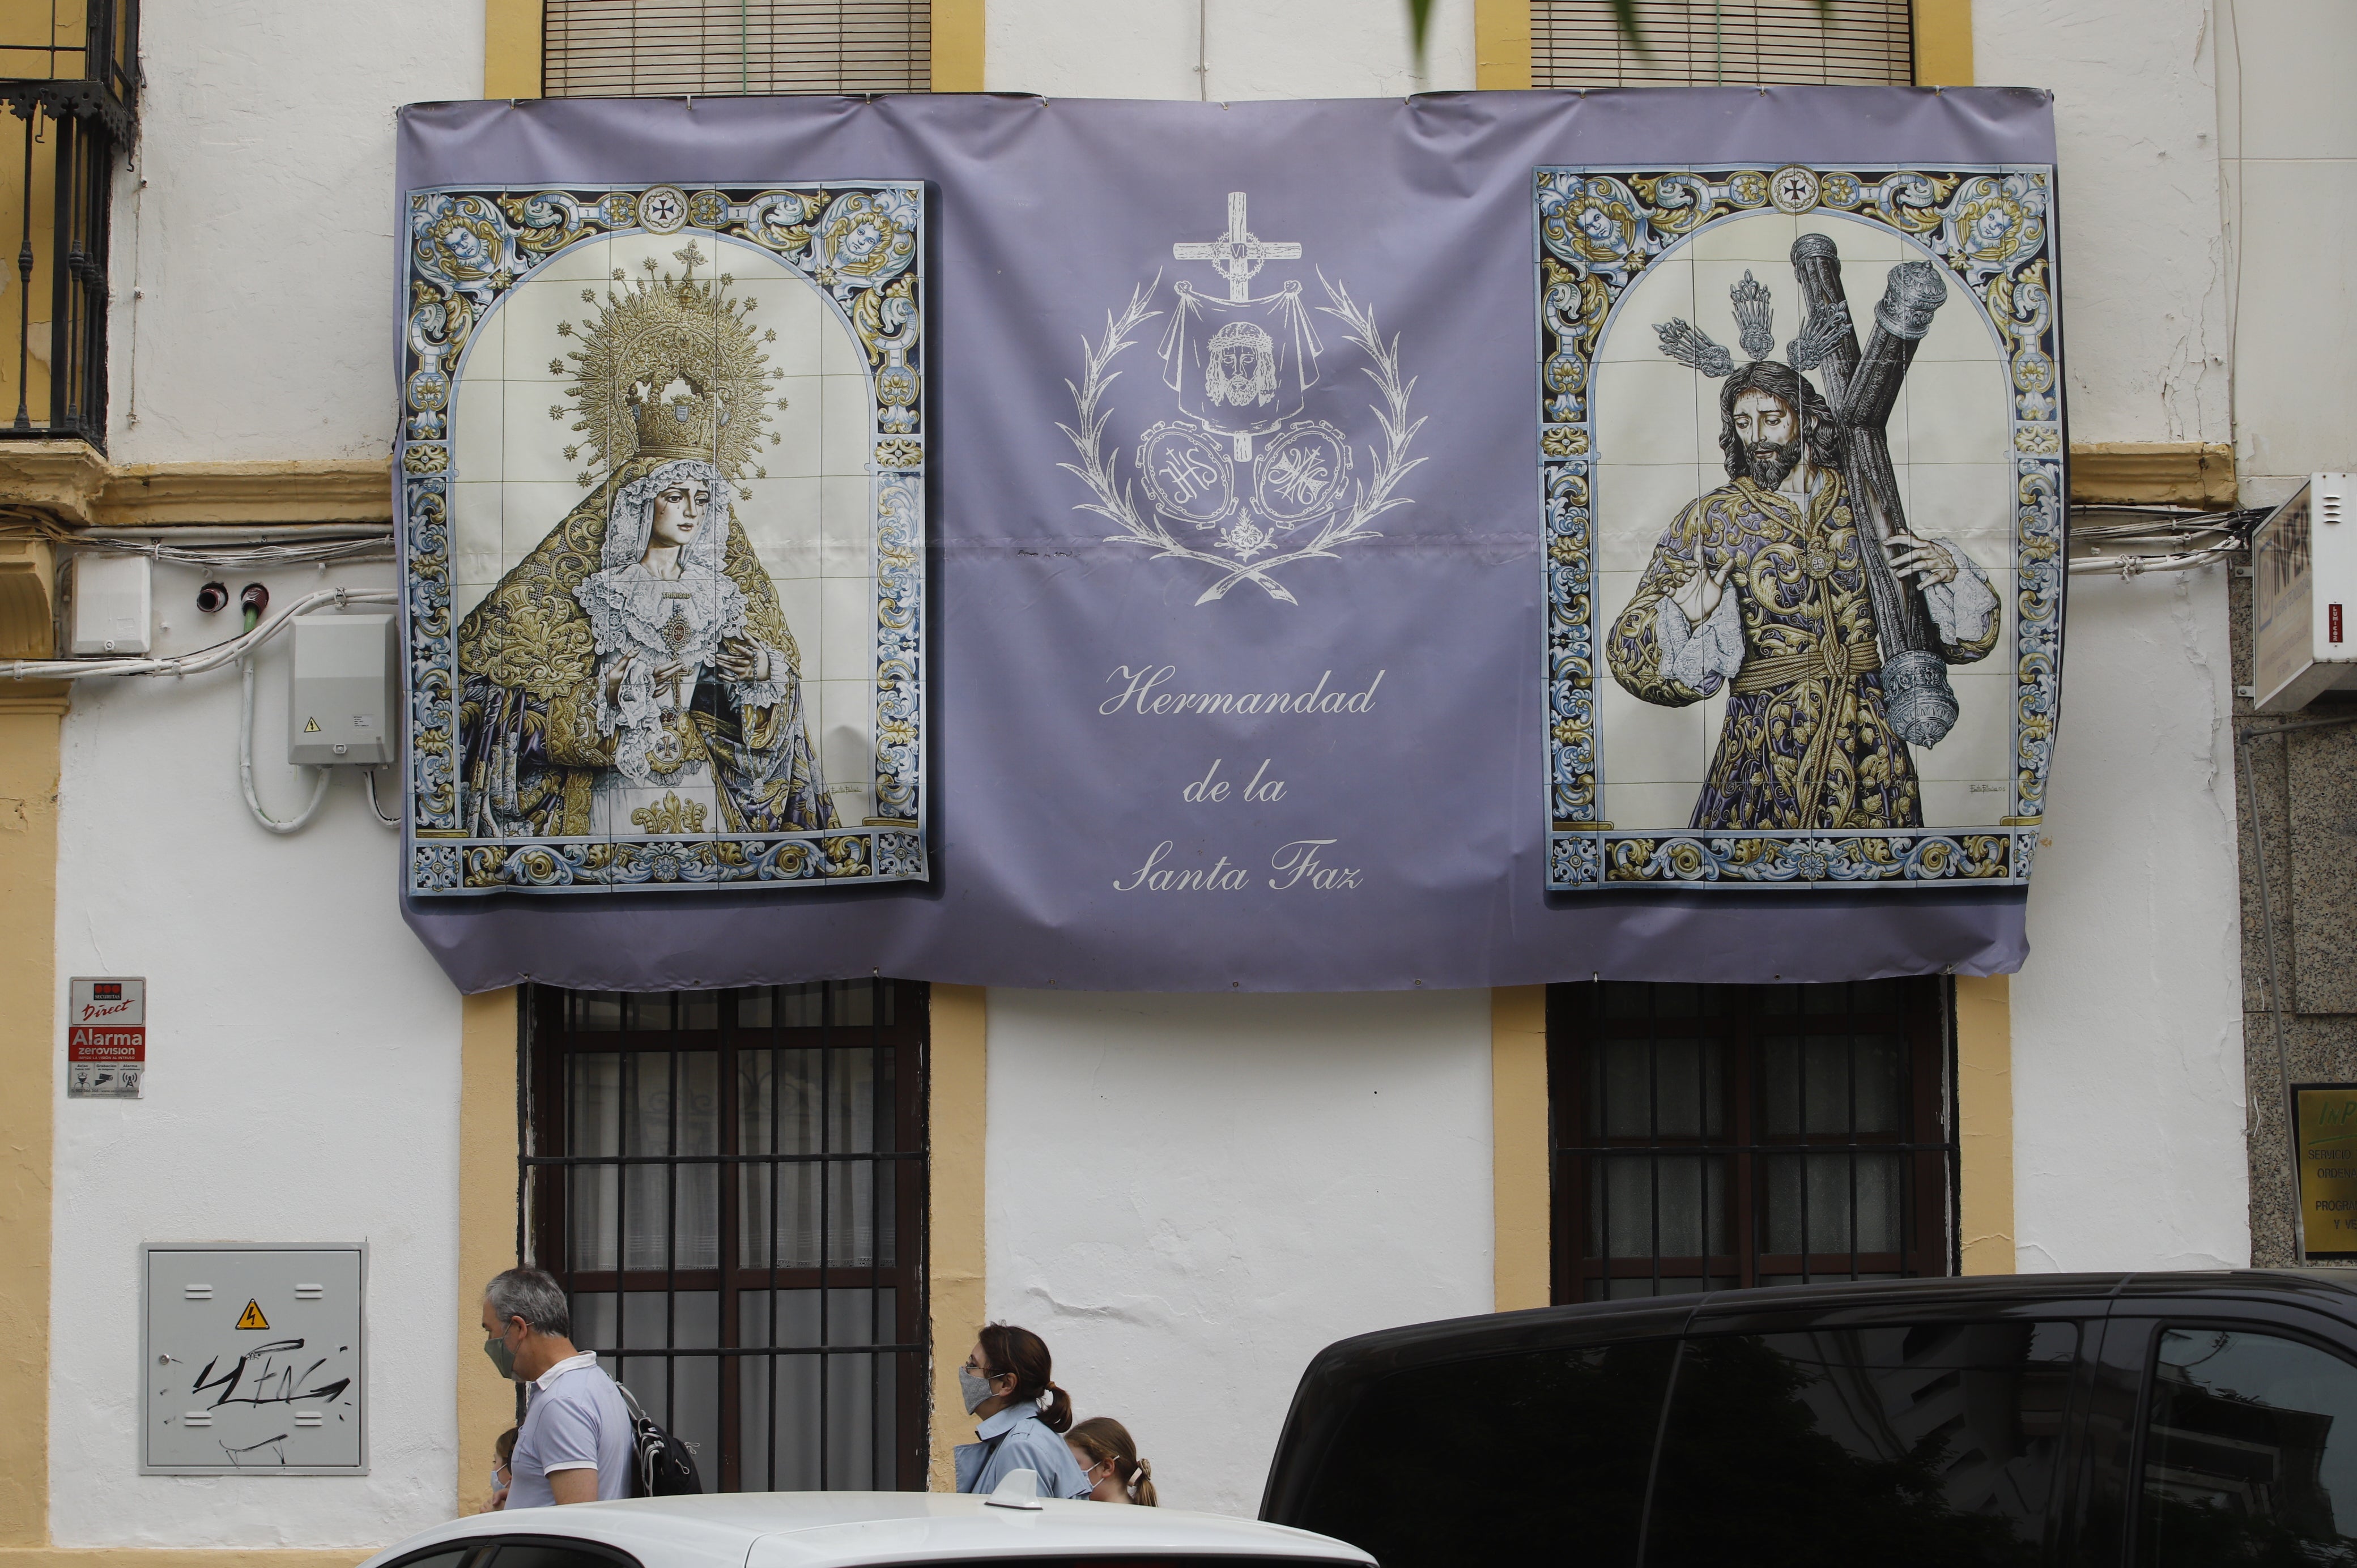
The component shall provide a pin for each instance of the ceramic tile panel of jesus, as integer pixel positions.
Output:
(1804, 544)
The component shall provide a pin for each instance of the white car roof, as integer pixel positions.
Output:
(867, 1529)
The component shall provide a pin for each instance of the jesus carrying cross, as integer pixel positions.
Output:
(1765, 586)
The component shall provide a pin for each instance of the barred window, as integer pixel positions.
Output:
(660, 48)
(70, 78)
(1708, 1137)
(1704, 43)
(730, 1185)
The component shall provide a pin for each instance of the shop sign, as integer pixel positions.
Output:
(2326, 1117)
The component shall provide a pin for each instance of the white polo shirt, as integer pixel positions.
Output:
(575, 1421)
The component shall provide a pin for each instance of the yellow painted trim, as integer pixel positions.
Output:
(1944, 43)
(1985, 1122)
(955, 1100)
(488, 1134)
(512, 48)
(1522, 1198)
(28, 578)
(74, 485)
(1501, 43)
(2152, 473)
(61, 477)
(958, 46)
(31, 716)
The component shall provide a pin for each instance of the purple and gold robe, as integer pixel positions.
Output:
(1805, 743)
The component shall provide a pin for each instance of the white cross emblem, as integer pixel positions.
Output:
(1237, 254)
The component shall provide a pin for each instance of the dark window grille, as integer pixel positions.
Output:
(73, 87)
(660, 48)
(1709, 1138)
(1703, 43)
(731, 1186)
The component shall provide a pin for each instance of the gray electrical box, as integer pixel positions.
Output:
(250, 1361)
(340, 702)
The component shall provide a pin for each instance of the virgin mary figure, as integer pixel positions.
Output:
(633, 675)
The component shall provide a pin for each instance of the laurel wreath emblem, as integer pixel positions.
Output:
(1116, 497)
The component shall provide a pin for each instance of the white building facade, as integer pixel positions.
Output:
(1187, 1196)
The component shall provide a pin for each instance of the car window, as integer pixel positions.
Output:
(1508, 1459)
(553, 1553)
(441, 1557)
(2250, 1453)
(1919, 1446)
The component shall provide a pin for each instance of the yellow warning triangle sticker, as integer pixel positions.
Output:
(311, 728)
(251, 1316)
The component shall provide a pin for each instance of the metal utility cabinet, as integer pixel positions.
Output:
(251, 1359)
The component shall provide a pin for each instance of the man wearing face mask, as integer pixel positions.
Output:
(575, 1445)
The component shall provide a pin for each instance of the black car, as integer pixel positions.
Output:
(2043, 1421)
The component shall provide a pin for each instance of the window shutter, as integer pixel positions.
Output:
(661, 48)
(1703, 43)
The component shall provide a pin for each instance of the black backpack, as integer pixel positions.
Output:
(666, 1464)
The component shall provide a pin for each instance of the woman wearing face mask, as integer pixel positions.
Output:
(1109, 1462)
(1007, 1381)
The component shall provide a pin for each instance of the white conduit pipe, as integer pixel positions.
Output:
(245, 762)
(195, 663)
(2138, 565)
(241, 649)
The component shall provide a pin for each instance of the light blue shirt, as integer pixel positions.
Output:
(576, 1420)
(1015, 1439)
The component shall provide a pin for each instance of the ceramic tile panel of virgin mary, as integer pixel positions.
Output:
(633, 675)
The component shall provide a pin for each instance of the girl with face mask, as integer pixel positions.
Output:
(1109, 1462)
(1007, 1384)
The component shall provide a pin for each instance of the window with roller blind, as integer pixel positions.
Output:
(1706, 43)
(661, 48)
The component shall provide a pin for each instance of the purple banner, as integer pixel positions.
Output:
(1226, 640)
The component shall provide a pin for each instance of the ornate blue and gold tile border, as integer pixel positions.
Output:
(1990, 229)
(861, 245)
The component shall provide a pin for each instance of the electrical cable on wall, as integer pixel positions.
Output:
(204, 659)
(392, 822)
(2139, 539)
(245, 763)
(227, 549)
(240, 648)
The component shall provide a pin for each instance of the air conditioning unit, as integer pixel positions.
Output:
(2304, 597)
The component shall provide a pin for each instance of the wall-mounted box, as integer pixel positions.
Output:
(111, 604)
(341, 703)
(2304, 597)
(251, 1359)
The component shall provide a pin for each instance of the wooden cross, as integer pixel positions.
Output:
(1237, 254)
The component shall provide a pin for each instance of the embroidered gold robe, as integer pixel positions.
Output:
(1805, 743)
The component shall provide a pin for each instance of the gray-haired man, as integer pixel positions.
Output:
(575, 1445)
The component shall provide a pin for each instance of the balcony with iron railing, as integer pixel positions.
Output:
(70, 77)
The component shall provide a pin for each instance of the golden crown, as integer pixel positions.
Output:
(668, 368)
(681, 420)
